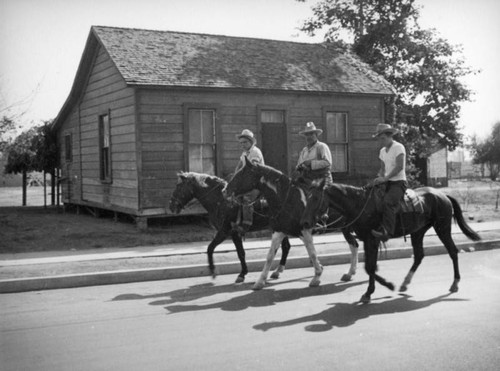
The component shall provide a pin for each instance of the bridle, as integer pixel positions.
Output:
(191, 194)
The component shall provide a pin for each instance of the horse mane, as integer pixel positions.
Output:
(354, 193)
(201, 179)
(272, 175)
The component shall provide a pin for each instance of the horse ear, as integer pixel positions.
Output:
(247, 161)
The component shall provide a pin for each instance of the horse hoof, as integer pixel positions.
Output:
(390, 286)
(346, 277)
(314, 282)
(454, 288)
(275, 275)
(365, 299)
(258, 286)
(239, 279)
(403, 288)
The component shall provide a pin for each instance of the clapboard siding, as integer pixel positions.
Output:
(161, 118)
(105, 92)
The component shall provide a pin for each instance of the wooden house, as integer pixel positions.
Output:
(147, 104)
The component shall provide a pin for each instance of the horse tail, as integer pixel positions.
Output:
(464, 227)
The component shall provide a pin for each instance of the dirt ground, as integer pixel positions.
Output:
(35, 228)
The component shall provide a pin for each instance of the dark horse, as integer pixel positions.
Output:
(287, 202)
(208, 190)
(358, 205)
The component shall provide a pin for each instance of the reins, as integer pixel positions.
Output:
(356, 218)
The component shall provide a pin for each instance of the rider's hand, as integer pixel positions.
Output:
(379, 180)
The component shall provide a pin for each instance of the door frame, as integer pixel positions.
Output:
(286, 116)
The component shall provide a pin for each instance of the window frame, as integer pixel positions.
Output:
(105, 177)
(217, 136)
(346, 143)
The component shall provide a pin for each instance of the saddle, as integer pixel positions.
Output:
(411, 203)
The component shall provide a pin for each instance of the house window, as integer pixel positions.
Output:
(201, 141)
(68, 148)
(104, 148)
(337, 140)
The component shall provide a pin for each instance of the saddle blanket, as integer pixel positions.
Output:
(412, 203)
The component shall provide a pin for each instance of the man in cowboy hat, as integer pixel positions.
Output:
(253, 154)
(392, 172)
(315, 159)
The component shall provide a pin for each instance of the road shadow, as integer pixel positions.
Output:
(263, 298)
(345, 314)
(195, 292)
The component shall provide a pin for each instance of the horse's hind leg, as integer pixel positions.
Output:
(241, 255)
(353, 246)
(417, 242)
(444, 234)
(285, 249)
(318, 268)
(275, 243)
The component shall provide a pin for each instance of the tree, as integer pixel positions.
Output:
(7, 125)
(487, 152)
(424, 69)
(33, 150)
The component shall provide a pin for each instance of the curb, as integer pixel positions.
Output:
(155, 274)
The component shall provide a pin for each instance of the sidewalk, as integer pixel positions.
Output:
(60, 269)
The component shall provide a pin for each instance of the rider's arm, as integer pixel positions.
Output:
(324, 159)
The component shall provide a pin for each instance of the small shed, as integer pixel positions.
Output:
(146, 104)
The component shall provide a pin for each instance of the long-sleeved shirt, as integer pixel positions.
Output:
(319, 154)
(254, 155)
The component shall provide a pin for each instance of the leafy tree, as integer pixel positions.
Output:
(424, 69)
(7, 125)
(487, 152)
(33, 150)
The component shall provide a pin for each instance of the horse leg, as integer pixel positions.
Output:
(241, 255)
(285, 249)
(275, 243)
(371, 256)
(353, 246)
(417, 239)
(444, 234)
(318, 268)
(219, 237)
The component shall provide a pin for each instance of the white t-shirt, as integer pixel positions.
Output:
(389, 159)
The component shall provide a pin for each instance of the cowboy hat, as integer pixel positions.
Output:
(310, 128)
(247, 134)
(385, 129)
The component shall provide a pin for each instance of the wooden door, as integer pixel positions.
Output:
(274, 145)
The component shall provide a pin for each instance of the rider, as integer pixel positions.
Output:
(253, 154)
(315, 159)
(392, 173)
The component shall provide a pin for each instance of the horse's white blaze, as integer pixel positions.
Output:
(269, 184)
(276, 239)
(303, 197)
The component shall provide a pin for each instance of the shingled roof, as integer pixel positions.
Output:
(165, 58)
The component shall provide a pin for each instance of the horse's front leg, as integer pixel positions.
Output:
(241, 255)
(219, 237)
(276, 239)
(285, 249)
(318, 268)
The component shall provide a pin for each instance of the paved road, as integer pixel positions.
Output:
(199, 324)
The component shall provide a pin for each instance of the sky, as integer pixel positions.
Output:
(41, 42)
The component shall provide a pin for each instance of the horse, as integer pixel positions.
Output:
(207, 190)
(359, 206)
(287, 202)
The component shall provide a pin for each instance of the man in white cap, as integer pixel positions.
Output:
(393, 173)
(315, 159)
(253, 154)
